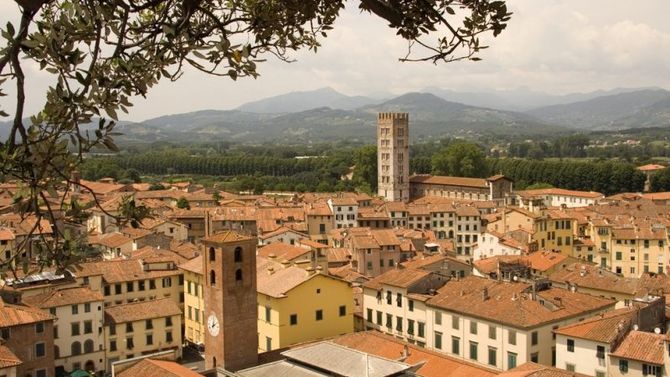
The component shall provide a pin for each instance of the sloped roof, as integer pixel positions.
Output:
(15, 315)
(157, 368)
(227, 236)
(194, 265)
(142, 310)
(63, 297)
(401, 278)
(642, 346)
(530, 369)
(8, 358)
(449, 181)
(602, 328)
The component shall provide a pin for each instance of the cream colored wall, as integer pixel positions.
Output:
(637, 259)
(139, 338)
(584, 355)
(171, 289)
(177, 231)
(634, 368)
(489, 246)
(65, 339)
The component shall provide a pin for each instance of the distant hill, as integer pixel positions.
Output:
(301, 101)
(520, 99)
(430, 117)
(642, 108)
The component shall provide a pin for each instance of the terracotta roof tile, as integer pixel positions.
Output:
(642, 346)
(227, 236)
(8, 358)
(142, 310)
(530, 369)
(63, 297)
(432, 364)
(14, 315)
(194, 265)
(157, 368)
(449, 181)
(401, 278)
(511, 303)
(601, 328)
(282, 251)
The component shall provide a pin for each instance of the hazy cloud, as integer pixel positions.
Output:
(550, 45)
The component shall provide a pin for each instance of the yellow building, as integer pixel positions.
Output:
(297, 305)
(194, 302)
(550, 230)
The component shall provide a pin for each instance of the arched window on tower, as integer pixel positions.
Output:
(238, 254)
(238, 275)
(212, 254)
(212, 278)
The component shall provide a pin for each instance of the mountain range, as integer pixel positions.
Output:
(327, 115)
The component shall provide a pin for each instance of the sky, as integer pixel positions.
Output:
(552, 46)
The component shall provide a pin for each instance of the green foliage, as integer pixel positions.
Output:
(365, 169)
(539, 185)
(608, 177)
(183, 203)
(460, 159)
(133, 175)
(660, 181)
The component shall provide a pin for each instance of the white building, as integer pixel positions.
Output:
(345, 211)
(78, 335)
(493, 244)
(495, 324)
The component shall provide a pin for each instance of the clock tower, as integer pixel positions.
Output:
(231, 309)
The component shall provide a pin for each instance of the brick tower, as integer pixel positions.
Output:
(393, 156)
(231, 311)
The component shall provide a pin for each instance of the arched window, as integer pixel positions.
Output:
(88, 346)
(212, 254)
(238, 254)
(89, 366)
(75, 349)
(212, 278)
(238, 274)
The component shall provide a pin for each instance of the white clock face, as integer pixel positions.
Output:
(213, 325)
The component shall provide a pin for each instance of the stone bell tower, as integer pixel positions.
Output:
(393, 156)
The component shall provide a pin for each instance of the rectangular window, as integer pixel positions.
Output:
(294, 319)
(533, 338)
(168, 336)
(88, 327)
(410, 305)
(398, 323)
(112, 345)
(319, 315)
(152, 284)
(398, 300)
(473, 327)
(438, 340)
(455, 322)
(75, 309)
(455, 345)
(623, 366)
(511, 337)
(600, 352)
(117, 289)
(473, 350)
(40, 349)
(570, 367)
(492, 332)
(130, 286)
(379, 318)
(141, 287)
(150, 325)
(129, 343)
(511, 360)
(422, 329)
(75, 329)
(493, 356)
(343, 310)
(268, 314)
(389, 321)
(534, 357)
(112, 329)
(369, 315)
(39, 327)
(571, 345)
(410, 326)
(129, 327)
(438, 318)
(150, 339)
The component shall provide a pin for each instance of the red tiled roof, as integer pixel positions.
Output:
(157, 368)
(449, 181)
(642, 346)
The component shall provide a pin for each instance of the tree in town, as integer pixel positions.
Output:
(461, 159)
(100, 54)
